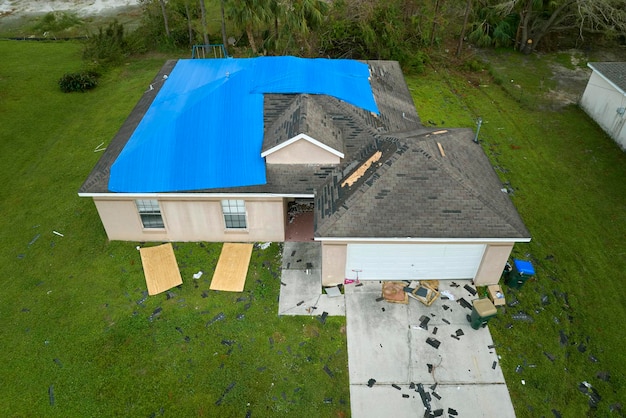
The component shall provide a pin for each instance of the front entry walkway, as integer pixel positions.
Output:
(393, 370)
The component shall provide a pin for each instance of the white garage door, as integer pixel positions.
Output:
(413, 261)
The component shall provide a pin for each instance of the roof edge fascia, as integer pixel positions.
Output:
(418, 240)
(306, 138)
(190, 195)
(605, 78)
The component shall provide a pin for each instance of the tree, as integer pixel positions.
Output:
(300, 19)
(249, 15)
(165, 22)
(538, 18)
(203, 20)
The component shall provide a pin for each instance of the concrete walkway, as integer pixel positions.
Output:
(301, 283)
(393, 370)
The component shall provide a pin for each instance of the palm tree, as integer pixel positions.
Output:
(249, 15)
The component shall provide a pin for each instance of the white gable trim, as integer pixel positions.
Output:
(298, 138)
(615, 86)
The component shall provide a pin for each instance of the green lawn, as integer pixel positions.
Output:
(567, 179)
(75, 321)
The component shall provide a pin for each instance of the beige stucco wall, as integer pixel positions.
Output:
(601, 101)
(333, 263)
(493, 263)
(302, 152)
(192, 219)
(489, 272)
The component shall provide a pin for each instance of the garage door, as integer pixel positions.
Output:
(413, 261)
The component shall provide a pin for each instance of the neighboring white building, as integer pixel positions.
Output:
(604, 98)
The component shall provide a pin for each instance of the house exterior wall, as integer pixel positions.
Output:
(302, 152)
(493, 263)
(192, 219)
(333, 263)
(601, 102)
(334, 254)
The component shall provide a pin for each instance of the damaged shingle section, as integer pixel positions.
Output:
(421, 194)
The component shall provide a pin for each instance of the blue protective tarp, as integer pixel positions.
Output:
(204, 129)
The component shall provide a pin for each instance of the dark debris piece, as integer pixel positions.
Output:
(594, 396)
(219, 317)
(433, 342)
(470, 289)
(464, 303)
(371, 382)
(522, 316)
(424, 395)
(228, 389)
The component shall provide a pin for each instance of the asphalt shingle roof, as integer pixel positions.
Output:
(410, 191)
(614, 71)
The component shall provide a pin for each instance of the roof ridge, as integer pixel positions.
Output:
(455, 173)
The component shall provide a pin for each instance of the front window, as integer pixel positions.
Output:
(150, 214)
(234, 214)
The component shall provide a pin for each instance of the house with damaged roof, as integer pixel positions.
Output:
(234, 150)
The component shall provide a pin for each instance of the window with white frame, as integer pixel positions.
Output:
(150, 214)
(234, 214)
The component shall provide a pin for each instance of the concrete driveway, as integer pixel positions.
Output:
(393, 370)
(387, 344)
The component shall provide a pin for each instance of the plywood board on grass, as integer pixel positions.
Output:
(160, 268)
(232, 267)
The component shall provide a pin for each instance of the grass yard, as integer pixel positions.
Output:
(80, 336)
(567, 181)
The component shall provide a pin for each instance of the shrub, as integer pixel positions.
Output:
(81, 81)
(108, 47)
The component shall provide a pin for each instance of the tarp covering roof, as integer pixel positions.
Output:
(204, 129)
